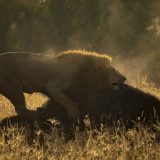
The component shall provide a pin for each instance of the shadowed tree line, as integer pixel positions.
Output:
(101, 25)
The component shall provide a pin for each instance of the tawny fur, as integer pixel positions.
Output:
(29, 72)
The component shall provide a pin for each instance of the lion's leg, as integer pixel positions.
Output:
(55, 91)
(12, 89)
(18, 100)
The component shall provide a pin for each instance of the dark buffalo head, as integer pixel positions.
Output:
(128, 104)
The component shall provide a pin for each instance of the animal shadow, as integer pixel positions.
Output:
(44, 119)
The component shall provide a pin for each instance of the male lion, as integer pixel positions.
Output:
(51, 75)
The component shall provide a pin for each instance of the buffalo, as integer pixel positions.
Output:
(128, 104)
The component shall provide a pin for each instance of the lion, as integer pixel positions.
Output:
(51, 75)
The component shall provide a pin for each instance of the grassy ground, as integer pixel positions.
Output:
(108, 144)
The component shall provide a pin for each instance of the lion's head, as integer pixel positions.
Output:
(94, 76)
(98, 67)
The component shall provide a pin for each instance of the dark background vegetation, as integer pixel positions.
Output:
(127, 30)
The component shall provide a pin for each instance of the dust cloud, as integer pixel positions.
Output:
(142, 50)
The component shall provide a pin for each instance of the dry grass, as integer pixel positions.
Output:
(108, 144)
